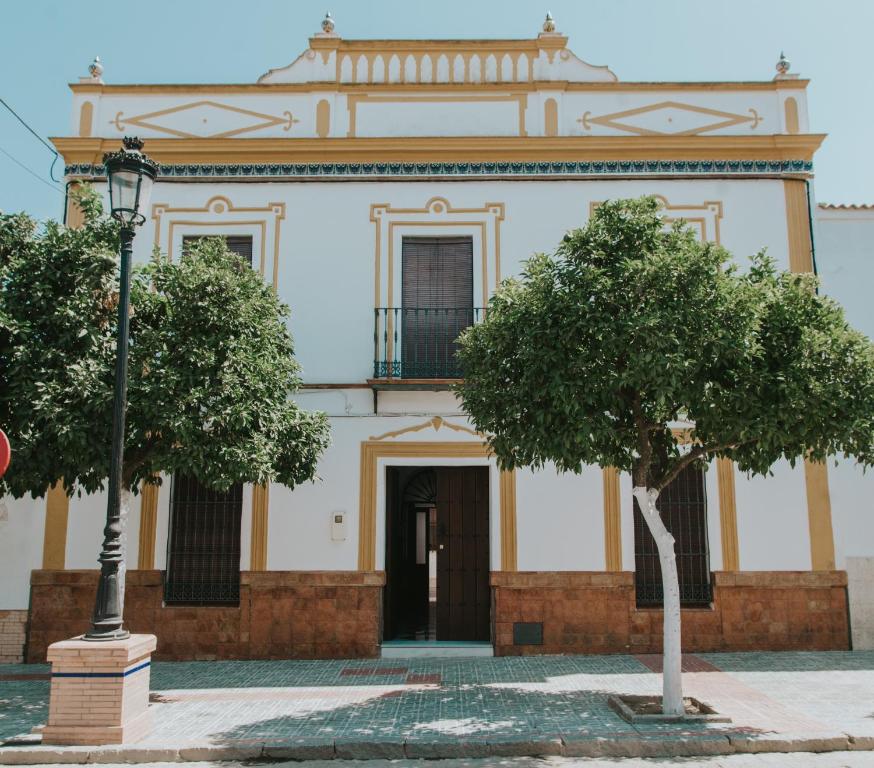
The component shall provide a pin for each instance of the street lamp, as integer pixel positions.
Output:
(130, 175)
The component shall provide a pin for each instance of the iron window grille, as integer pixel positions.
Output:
(203, 548)
(683, 507)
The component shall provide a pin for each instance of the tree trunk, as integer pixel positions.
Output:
(672, 683)
(124, 509)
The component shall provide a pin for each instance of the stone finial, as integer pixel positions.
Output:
(95, 69)
(328, 24)
(782, 64)
(549, 23)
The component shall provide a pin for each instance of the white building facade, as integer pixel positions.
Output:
(384, 188)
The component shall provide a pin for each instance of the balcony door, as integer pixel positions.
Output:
(436, 304)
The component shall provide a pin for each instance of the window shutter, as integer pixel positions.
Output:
(436, 304)
(239, 244)
(437, 272)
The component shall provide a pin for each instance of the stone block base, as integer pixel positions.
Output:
(281, 615)
(592, 612)
(100, 691)
(13, 629)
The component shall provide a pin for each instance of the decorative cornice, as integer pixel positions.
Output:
(535, 85)
(533, 170)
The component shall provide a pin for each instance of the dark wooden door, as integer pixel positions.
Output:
(463, 600)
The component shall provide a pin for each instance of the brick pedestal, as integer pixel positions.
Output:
(100, 691)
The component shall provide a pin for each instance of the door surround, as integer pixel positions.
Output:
(375, 453)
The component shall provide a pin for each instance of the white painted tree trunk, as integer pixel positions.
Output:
(672, 683)
(124, 510)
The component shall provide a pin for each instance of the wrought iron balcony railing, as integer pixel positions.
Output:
(418, 342)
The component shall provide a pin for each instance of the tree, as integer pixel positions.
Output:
(632, 330)
(211, 364)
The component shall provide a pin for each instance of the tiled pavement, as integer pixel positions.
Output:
(408, 707)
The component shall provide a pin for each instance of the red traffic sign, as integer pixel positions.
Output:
(5, 452)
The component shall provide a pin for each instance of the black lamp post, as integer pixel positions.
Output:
(130, 175)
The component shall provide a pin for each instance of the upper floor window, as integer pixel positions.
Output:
(436, 304)
(239, 244)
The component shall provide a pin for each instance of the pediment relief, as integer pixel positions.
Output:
(435, 423)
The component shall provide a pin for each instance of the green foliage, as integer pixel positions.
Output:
(630, 327)
(210, 373)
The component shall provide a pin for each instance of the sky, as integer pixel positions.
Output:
(49, 43)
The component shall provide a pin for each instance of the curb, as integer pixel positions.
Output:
(579, 745)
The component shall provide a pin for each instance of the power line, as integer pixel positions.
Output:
(32, 173)
(39, 138)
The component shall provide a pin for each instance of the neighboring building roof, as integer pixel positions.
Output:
(846, 206)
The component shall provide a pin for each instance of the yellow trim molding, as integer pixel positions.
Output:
(219, 213)
(727, 515)
(147, 120)
(509, 549)
(723, 119)
(790, 111)
(54, 548)
(819, 516)
(86, 118)
(373, 450)
(612, 520)
(819, 511)
(706, 216)
(148, 526)
(323, 118)
(798, 226)
(260, 514)
(550, 117)
(435, 424)
(454, 149)
(75, 218)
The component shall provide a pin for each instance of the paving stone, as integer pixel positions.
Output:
(526, 746)
(223, 752)
(365, 749)
(41, 755)
(501, 706)
(861, 742)
(299, 750)
(436, 750)
(132, 754)
(789, 743)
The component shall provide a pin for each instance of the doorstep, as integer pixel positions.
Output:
(435, 649)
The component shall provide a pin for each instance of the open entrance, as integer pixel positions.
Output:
(437, 554)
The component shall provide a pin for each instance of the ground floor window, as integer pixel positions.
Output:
(683, 507)
(203, 549)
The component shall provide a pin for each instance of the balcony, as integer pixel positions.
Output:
(414, 347)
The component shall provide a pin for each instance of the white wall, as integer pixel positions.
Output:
(560, 520)
(852, 499)
(85, 523)
(327, 250)
(845, 262)
(22, 529)
(772, 522)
